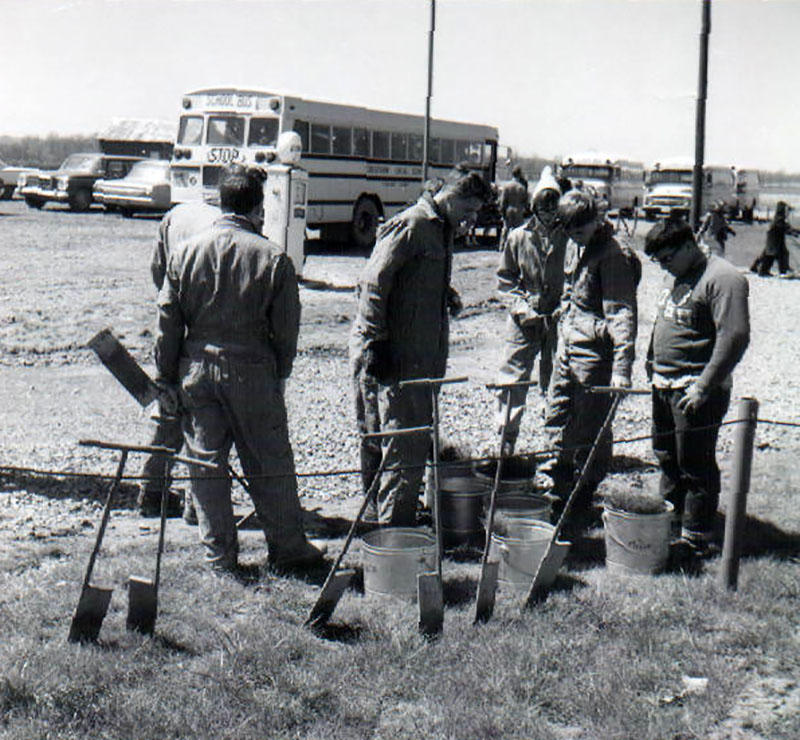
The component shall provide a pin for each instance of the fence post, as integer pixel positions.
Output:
(737, 499)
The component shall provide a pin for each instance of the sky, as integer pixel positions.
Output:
(554, 76)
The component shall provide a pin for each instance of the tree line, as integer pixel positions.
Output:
(46, 152)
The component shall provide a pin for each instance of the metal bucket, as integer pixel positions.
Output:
(517, 474)
(519, 558)
(637, 543)
(462, 496)
(516, 512)
(392, 558)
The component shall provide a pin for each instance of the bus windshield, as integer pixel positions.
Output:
(263, 132)
(587, 171)
(682, 176)
(225, 131)
(190, 130)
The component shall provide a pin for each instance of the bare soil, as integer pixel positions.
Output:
(67, 275)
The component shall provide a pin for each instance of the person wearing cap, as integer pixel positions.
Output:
(401, 332)
(716, 225)
(701, 332)
(775, 247)
(597, 336)
(513, 203)
(530, 279)
(228, 322)
(178, 224)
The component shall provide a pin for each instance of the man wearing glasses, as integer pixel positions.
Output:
(701, 332)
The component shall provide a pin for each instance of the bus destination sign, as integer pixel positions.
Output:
(230, 100)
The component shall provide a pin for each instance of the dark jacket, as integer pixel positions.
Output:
(599, 308)
(231, 290)
(402, 293)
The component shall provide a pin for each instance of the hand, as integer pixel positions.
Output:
(620, 381)
(168, 399)
(692, 399)
(377, 359)
(454, 303)
(648, 369)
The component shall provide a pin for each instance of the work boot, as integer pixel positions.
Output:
(303, 557)
(189, 511)
(148, 504)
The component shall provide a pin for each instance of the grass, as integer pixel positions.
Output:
(232, 659)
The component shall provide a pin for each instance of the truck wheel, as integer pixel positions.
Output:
(649, 214)
(8, 191)
(34, 202)
(80, 200)
(365, 223)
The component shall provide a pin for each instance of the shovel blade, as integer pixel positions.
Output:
(329, 597)
(142, 605)
(431, 604)
(487, 588)
(89, 614)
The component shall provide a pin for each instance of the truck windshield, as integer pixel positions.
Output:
(80, 163)
(586, 171)
(674, 176)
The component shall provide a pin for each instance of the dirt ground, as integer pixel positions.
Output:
(68, 275)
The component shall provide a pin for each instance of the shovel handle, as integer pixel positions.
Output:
(150, 449)
(620, 391)
(397, 432)
(432, 381)
(509, 386)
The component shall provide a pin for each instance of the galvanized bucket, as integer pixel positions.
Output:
(637, 543)
(519, 558)
(516, 512)
(516, 476)
(393, 557)
(462, 496)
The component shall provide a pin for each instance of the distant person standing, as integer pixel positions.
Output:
(513, 204)
(530, 278)
(775, 249)
(701, 332)
(716, 226)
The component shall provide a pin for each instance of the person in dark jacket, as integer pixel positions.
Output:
(513, 203)
(716, 226)
(775, 249)
(597, 337)
(701, 331)
(229, 315)
(530, 278)
(401, 332)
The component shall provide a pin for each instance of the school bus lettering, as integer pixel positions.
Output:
(223, 155)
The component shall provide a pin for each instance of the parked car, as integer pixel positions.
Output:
(8, 179)
(73, 181)
(145, 188)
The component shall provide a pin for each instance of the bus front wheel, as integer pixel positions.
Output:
(365, 223)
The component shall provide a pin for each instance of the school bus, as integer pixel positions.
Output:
(363, 164)
(617, 180)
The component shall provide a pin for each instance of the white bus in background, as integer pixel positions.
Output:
(668, 187)
(619, 181)
(363, 164)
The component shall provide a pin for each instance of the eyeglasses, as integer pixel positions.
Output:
(665, 256)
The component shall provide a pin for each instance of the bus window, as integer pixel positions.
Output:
(380, 145)
(320, 138)
(399, 147)
(475, 152)
(415, 147)
(342, 141)
(435, 150)
(462, 151)
(361, 142)
(301, 127)
(448, 151)
(263, 132)
(190, 130)
(225, 131)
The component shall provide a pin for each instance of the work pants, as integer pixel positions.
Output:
(573, 420)
(229, 402)
(763, 263)
(522, 345)
(167, 432)
(685, 445)
(366, 392)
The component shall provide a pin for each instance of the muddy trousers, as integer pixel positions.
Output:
(522, 345)
(685, 445)
(380, 407)
(573, 420)
(233, 402)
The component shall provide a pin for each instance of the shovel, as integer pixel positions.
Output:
(337, 581)
(94, 600)
(487, 585)
(552, 554)
(124, 367)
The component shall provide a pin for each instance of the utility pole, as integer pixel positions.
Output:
(427, 138)
(700, 119)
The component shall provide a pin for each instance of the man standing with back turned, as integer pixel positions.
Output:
(701, 331)
(229, 315)
(401, 333)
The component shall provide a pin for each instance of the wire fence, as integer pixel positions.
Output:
(13, 470)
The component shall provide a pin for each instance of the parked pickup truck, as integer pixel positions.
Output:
(73, 181)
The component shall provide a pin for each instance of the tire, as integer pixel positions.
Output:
(32, 202)
(7, 192)
(126, 212)
(365, 223)
(649, 214)
(80, 200)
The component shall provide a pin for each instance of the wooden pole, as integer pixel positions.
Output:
(426, 139)
(700, 120)
(740, 485)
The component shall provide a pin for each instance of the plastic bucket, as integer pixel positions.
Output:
(516, 512)
(636, 543)
(393, 557)
(518, 558)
